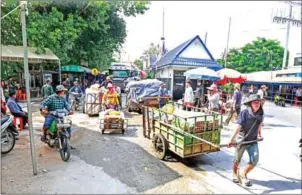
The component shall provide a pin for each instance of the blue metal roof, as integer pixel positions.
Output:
(172, 57)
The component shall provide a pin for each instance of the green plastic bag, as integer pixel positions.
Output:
(52, 128)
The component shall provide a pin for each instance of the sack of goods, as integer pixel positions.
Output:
(168, 108)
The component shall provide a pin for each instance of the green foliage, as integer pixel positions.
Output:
(153, 50)
(260, 55)
(139, 64)
(76, 31)
(227, 88)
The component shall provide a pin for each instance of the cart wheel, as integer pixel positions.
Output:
(103, 131)
(160, 145)
(123, 131)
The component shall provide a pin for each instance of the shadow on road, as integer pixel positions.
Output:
(123, 160)
(278, 185)
(277, 125)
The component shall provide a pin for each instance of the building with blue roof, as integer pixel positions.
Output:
(171, 66)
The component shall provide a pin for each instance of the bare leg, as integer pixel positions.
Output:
(235, 167)
(247, 169)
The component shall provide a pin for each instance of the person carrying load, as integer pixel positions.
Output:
(110, 98)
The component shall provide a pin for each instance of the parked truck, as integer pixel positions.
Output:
(122, 73)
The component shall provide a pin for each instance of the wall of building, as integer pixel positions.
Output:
(195, 50)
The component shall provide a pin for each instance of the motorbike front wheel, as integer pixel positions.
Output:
(65, 150)
(7, 141)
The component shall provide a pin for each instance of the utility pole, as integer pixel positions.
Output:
(26, 73)
(227, 48)
(289, 20)
(287, 37)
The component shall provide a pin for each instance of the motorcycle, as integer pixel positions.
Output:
(58, 135)
(76, 101)
(8, 134)
(279, 100)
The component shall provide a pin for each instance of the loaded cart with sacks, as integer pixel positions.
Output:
(185, 133)
(112, 120)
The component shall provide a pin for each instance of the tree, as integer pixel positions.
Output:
(139, 64)
(153, 50)
(75, 31)
(260, 55)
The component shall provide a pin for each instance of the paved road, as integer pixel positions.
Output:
(279, 168)
(126, 164)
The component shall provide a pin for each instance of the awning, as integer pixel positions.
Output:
(11, 53)
(75, 68)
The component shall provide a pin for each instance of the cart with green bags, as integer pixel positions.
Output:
(185, 133)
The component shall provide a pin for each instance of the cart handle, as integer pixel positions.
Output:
(246, 142)
(189, 135)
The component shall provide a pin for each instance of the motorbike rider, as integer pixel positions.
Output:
(53, 103)
(76, 88)
(106, 82)
(110, 98)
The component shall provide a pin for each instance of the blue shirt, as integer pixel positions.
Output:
(14, 107)
(73, 89)
(237, 98)
(246, 119)
(162, 92)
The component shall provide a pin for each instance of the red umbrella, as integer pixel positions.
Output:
(231, 75)
(142, 74)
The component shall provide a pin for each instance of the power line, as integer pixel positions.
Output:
(289, 20)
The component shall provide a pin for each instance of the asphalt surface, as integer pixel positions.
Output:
(116, 163)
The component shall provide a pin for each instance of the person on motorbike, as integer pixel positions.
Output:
(76, 88)
(106, 82)
(110, 98)
(53, 103)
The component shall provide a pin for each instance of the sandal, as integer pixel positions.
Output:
(245, 181)
(235, 178)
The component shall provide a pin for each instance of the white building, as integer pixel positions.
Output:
(189, 55)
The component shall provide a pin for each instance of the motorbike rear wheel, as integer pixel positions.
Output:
(65, 150)
(7, 137)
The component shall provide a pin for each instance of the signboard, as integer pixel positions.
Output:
(94, 72)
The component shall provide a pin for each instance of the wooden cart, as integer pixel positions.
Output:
(113, 123)
(93, 103)
(186, 141)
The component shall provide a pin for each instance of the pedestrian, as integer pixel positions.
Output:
(16, 109)
(251, 91)
(47, 89)
(236, 103)
(199, 93)
(106, 82)
(261, 92)
(188, 96)
(67, 85)
(248, 129)
(299, 95)
(162, 94)
(2, 100)
(11, 85)
(213, 98)
(119, 94)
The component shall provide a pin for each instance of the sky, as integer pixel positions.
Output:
(186, 19)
